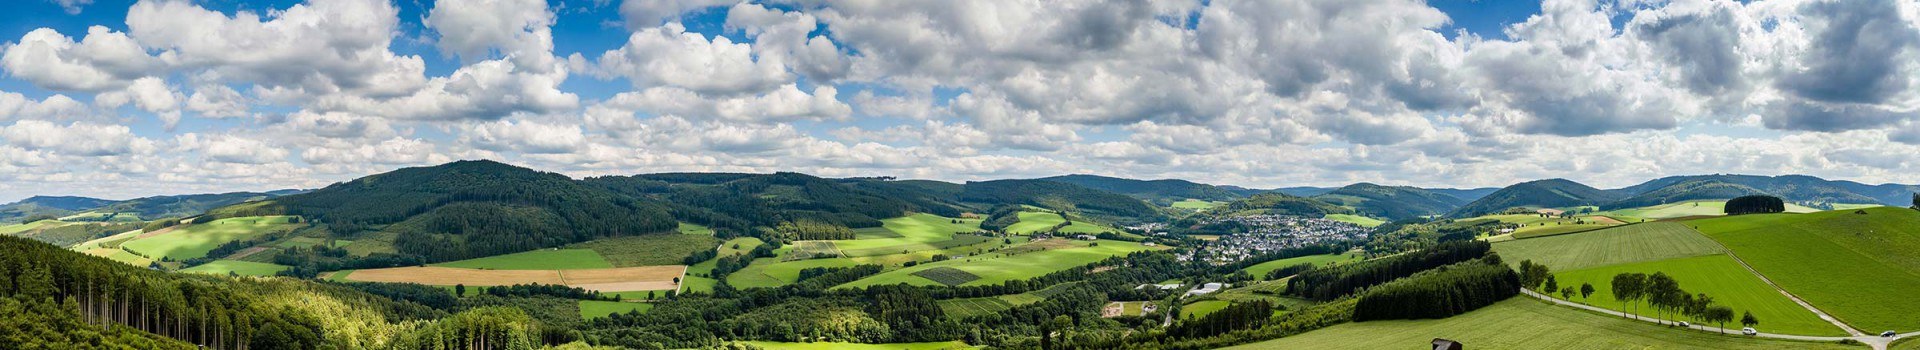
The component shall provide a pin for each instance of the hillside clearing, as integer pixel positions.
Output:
(196, 240)
(243, 268)
(1356, 220)
(1259, 271)
(592, 309)
(650, 249)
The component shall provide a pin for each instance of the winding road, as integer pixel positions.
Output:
(1878, 343)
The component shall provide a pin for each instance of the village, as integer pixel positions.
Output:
(1269, 233)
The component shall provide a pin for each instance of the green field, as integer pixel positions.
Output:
(544, 259)
(1040, 221)
(1521, 323)
(951, 345)
(1259, 271)
(1553, 229)
(968, 307)
(994, 269)
(243, 268)
(916, 232)
(726, 249)
(196, 240)
(1202, 308)
(1860, 268)
(1195, 204)
(649, 250)
(694, 229)
(695, 284)
(24, 227)
(1617, 245)
(592, 309)
(1719, 277)
(1356, 219)
(770, 272)
(1687, 208)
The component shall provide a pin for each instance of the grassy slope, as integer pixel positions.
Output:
(1719, 277)
(1687, 208)
(592, 309)
(1202, 308)
(243, 268)
(1862, 269)
(1356, 219)
(1552, 229)
(994, 269)
(544, 259)
(196, 240)
(770, 272)
(916, 232)
(1520, 323)
(18, 228)
(694, 229)
(1618, 245)
(1259, 271)
(649, 250)
(852, 346)
(1195, 204)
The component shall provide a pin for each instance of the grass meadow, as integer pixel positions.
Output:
(1523, 323)
(1719, 277)
(1617, 245)
(995, 268)
(1356, 219)
(196, 240)
(243, 268)
(1259, 271)
(1860, 268)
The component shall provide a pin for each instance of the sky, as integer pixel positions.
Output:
(121, 99)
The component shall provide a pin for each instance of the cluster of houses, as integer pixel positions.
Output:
(1272, 233)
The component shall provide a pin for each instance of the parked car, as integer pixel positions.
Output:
(1684, 324)
(1886, 334)
(1749, 331)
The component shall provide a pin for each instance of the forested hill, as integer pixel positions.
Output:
(1549, 193)
(181, 205)
(1794, 188)
(470, 209)
(1392, 202)
(742, 201)
(1280, 204)
(43, 206)
(1061, 196)
(1158, 191)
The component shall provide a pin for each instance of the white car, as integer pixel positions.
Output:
(1684, 324)
(1749, 331)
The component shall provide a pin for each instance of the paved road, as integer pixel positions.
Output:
(1878, 343)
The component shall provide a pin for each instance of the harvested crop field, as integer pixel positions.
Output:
(603, 280)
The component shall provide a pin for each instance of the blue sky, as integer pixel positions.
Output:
(204, 96)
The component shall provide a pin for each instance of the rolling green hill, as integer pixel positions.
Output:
(1616, 245)
(1280, 204)
(1550, 193)
(1860, 268)
(1391, 202)
(1793, 188)
(1060, 196)
(739, 202)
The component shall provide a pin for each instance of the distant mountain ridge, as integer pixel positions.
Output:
(1793, 188)
(1159, 191)
(1549, 193)
(146, 208)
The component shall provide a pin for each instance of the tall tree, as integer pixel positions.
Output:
(1586, 290)
(1630, 288)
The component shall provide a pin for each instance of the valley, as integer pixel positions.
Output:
(792, 261)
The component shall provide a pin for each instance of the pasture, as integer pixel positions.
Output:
(1616, 245)
(997, 268)
(193, 241)
(769, 272)
(1259, 271)
(1719, 277)
(1195, 204)
(649, 249)
(968, 307)
(1559, 229)
(1041, 221)
(946, 275)
(1522, 323)
(1202, 308)
(919, 231)
(544, 259)
(601, 280)
(117, 254)
(592, 309)
(1687, 208)
(1860, 268)
(243, 268)
(1356, 220)
(948, 345)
